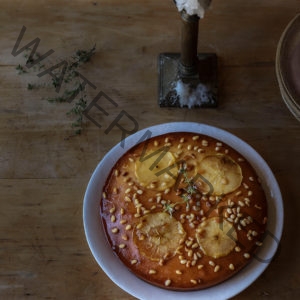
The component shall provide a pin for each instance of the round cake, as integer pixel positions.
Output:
(183, 211)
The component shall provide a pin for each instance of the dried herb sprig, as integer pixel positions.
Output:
(20, 69)
(74, 90)
(169, 208)
(78, 111)
(79, 105)
(190, 188)
(187, 193)
(75, 87)
(83, 56)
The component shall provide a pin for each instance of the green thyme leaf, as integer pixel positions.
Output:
(20, 69)
(75, 89)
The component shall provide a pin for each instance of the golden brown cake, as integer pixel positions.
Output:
(183, 211)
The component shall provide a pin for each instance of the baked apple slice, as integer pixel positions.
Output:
(216, 237)
(158, 236)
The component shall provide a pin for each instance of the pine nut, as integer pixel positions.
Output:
(167, 282)
(211, 263)
(128, 227)
(115, 230)
(217, 268)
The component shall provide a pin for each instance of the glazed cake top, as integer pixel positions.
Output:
(183, 211)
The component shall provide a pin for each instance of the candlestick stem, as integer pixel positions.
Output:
(194, 72)
(189, 45)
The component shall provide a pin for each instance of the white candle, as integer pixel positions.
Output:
(193, 7)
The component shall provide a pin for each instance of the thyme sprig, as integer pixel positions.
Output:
(74, 89)
(187, 193)
(190, 188)
(169, 208)
(20, 69)
(78, 111)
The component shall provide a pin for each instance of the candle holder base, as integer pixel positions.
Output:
(201, 87)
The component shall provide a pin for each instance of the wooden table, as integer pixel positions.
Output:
(44, 171)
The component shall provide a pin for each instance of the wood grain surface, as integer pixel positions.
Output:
(44, 172)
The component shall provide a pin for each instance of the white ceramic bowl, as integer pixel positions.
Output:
(121, 276)
(287, 66)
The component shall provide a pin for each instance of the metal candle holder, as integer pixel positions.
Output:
(191, 67)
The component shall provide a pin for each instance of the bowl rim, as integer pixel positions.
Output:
(126, 280)
(286, 35)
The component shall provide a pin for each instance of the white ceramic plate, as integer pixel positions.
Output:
(120, 275)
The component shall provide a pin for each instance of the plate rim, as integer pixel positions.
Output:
(223, 290)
